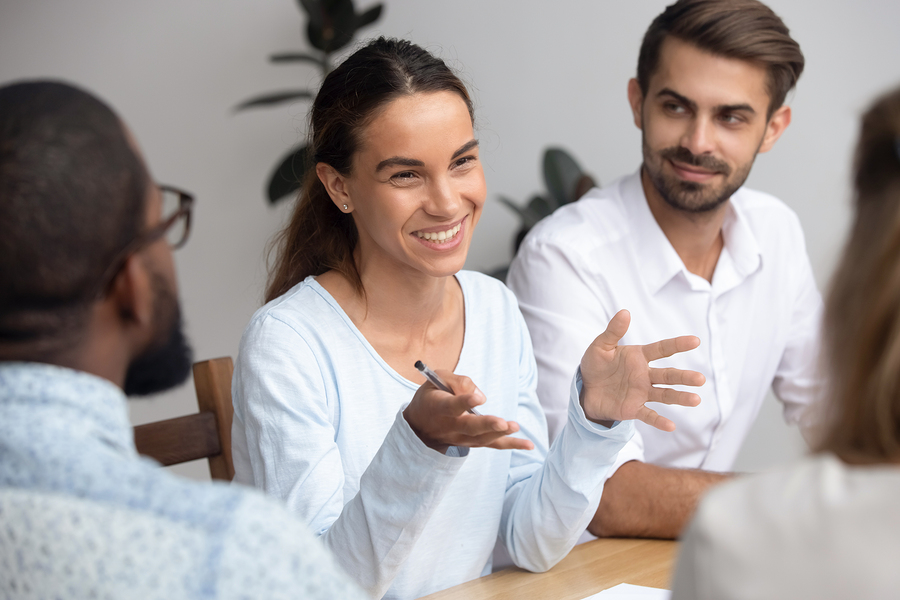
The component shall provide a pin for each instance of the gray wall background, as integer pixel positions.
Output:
(542, 73)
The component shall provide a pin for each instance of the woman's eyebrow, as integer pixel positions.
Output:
(465, 148)
(401, 161)
(398, 161)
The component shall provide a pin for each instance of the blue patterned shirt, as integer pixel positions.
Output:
(83, 516)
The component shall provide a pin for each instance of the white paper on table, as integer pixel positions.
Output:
(626, 591)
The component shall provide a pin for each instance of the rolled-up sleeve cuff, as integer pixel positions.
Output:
(409, 443)
(620, 431)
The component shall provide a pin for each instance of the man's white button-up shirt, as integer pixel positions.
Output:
(758, 321)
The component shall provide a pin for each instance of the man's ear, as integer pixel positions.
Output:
(336, 186)
(636, 101)
(132, 294)
(778, 122)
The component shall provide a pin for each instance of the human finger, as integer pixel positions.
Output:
(672, 376)
(664, 348)
(460, 384)
(503, 441)
(497, 441)
(617, 327)
(654, 419)
(462, 403)
(475, 425)
(481, 436)
(670, 396)
(510, 443)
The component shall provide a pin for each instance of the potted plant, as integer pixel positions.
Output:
(331, 25)
(565, 181)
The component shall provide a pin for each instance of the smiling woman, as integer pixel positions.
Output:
(331, 414)
(415, 189)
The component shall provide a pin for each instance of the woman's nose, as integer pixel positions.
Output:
(443, 199)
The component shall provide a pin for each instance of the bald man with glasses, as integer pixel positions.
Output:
(89, 314)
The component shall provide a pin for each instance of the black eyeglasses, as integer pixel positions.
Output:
(175, 226)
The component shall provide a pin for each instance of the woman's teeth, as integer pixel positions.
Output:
(439, 237)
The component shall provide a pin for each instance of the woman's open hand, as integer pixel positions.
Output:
(442, 420)
(618, 380)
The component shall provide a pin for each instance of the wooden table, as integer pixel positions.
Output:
(588, 569)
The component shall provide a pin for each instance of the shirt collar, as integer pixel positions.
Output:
(100, 405)
(658, 260)
(740, 242)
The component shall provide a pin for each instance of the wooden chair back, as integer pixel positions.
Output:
(206, 434)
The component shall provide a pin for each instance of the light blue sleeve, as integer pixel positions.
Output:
(552, 495)
(283, 410)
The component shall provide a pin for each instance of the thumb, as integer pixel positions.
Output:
(618, 325)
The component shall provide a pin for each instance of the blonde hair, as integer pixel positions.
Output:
(862, 315)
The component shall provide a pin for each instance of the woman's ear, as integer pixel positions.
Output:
(336, 186)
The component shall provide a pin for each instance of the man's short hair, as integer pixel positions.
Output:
(740, 29)
(72, 196)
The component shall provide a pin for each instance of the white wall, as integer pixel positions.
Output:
(543, 73)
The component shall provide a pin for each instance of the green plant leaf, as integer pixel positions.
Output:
(295, 57)
(515, 207)
(561, 175)
(287, 177)
(541, 206)
(313, 10)
(584, 184)
(335, 27)
(274, 98)
(369, 16)
(527, 215)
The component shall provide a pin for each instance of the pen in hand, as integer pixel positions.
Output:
(437, 381)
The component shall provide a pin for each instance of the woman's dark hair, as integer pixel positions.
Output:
(72, 196)
(319, 237)
(862, 313)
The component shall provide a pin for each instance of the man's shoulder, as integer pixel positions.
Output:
(261, 550)
(599, 218)
(763, 211)
(204, 507)
(188, 535)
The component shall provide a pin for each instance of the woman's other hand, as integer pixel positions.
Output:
(442, 420)
(618, 380)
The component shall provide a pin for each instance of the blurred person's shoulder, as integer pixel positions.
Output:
(816, 528)
(190, 540)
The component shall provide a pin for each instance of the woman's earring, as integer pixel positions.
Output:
(346, 207)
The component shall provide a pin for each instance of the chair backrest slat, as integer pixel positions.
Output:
(179, 440)
(212, 380)
(206, 434)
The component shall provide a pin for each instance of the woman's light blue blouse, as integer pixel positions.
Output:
(318, 422)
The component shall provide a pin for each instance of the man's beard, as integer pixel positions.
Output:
(691, 196)
(167, 362)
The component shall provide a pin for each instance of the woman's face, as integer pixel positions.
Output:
(416, 186)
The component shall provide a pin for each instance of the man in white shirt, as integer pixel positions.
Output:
(688, 251)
